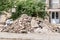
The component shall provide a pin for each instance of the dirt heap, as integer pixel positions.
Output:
(28, 24)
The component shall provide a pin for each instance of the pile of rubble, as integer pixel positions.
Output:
(27, 24)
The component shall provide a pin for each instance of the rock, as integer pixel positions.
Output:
(12, 31)
(56, 29)
(34, 22)
(28, 24)
(45, 30)
(22, 23)
(38, 30)
(1, 29)
(23, 31)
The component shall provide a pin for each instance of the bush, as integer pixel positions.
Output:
(6, 4)
(30, 7)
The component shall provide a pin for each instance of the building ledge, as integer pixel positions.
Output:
(53, 10)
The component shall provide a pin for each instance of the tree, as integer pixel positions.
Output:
(30, 7)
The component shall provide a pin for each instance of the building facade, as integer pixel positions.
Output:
(53, 9)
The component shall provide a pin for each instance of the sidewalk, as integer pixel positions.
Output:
(36, 36)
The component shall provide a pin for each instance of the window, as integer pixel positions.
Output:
(53, 14)
(55, 3)
(57, 15)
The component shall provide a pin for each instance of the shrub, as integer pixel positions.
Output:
(30, 7)
(5, 4)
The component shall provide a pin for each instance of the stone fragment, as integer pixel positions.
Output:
(28, 24)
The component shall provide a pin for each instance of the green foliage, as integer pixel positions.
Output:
(0, 13)
(15, 16)
(6, 4)
(30, 7)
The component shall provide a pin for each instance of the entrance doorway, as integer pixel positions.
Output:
(54, 17)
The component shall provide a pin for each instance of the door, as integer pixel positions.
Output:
(55, 17)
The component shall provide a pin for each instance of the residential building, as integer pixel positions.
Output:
(53, 9)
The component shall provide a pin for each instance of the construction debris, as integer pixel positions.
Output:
(28, 24)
